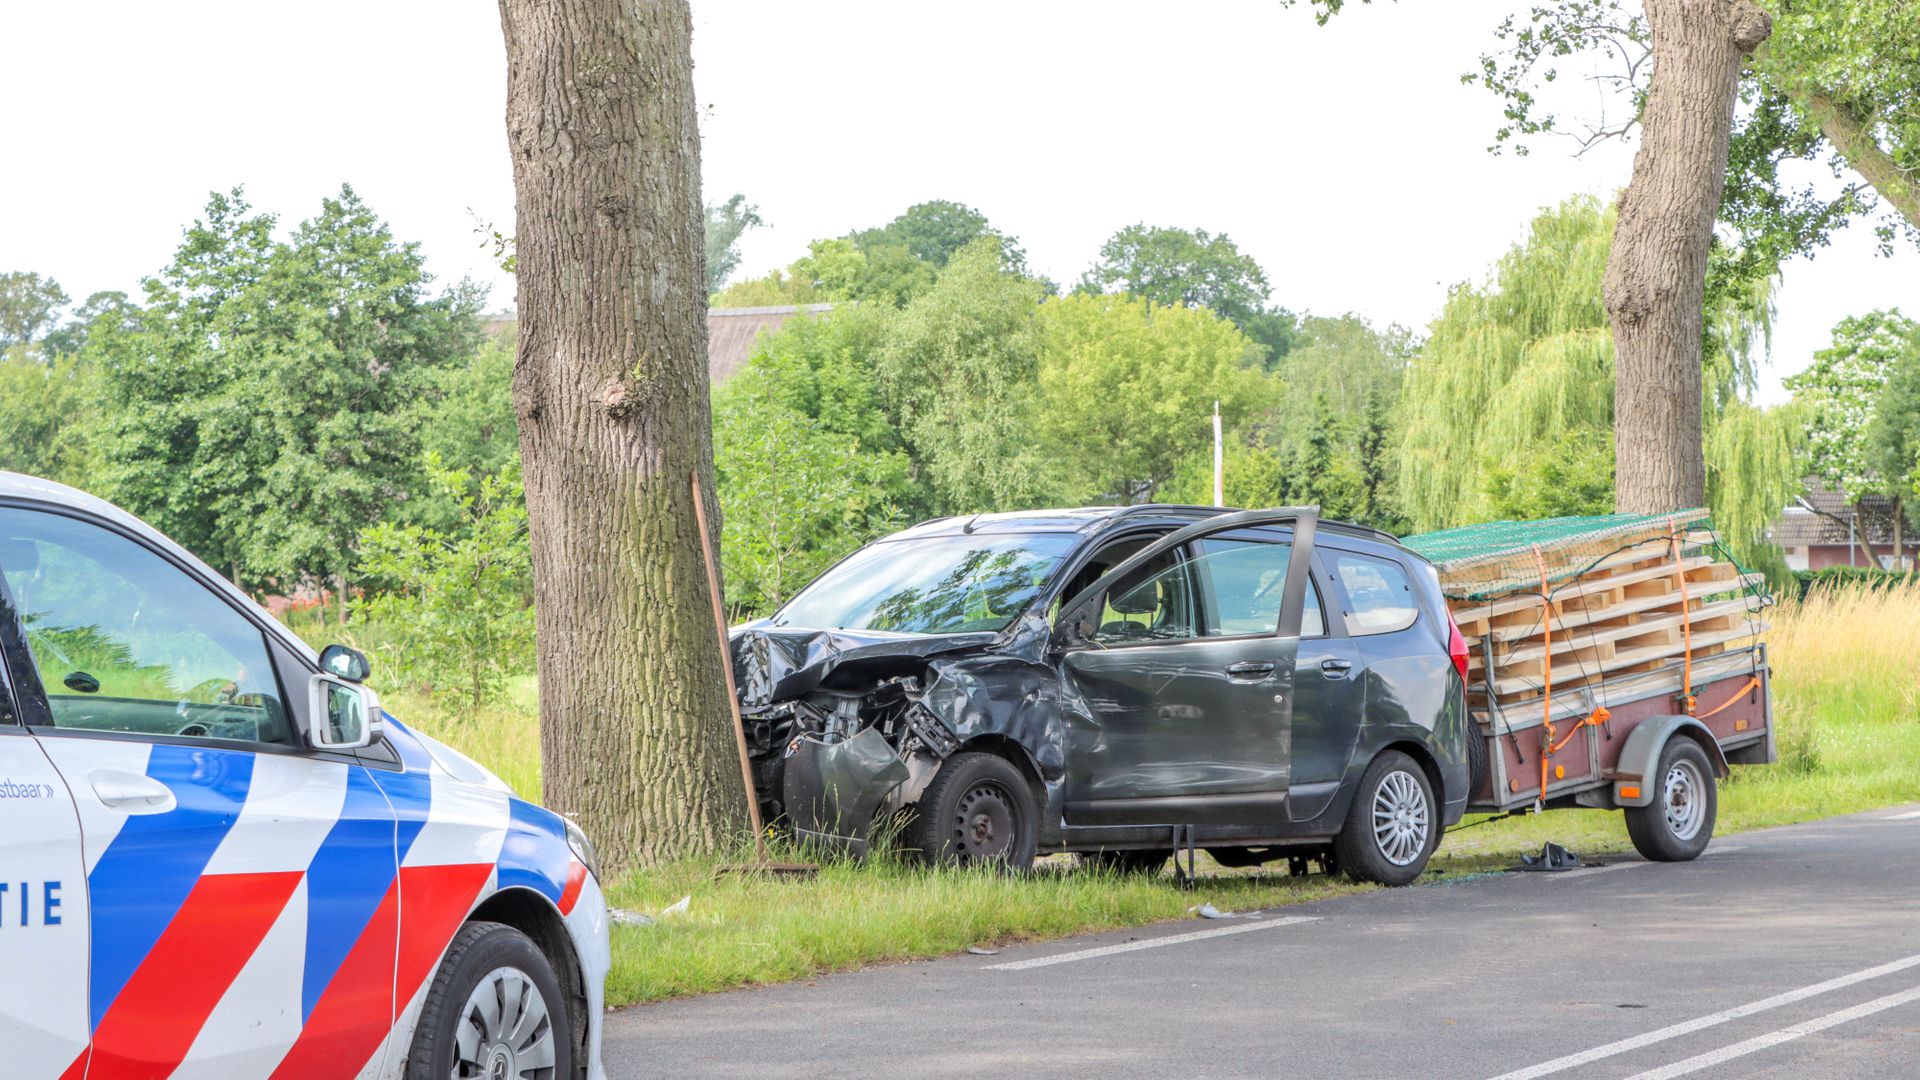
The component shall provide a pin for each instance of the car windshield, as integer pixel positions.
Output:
(932, 585)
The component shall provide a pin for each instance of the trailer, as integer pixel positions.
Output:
(1616, 662)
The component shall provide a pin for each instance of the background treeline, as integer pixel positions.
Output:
(311, 413)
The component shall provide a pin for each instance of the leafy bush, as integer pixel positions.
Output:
(1838, 577)
(456, 603)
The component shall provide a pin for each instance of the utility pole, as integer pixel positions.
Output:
(1219, 486)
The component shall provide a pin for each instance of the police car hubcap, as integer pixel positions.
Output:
(506, 1030)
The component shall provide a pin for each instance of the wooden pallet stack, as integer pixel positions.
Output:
(1635, 608)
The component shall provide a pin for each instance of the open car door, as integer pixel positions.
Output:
(1177, 675)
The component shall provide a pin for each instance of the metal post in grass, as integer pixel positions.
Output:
(761, 863)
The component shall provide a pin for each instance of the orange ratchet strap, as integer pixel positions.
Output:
(1687, 701)
(1752, 683)
(1599, 715)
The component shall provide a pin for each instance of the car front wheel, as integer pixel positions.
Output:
(1393, 826)
(494, 1010)
(978, 809)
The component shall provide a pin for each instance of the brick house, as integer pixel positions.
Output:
(1823, 528)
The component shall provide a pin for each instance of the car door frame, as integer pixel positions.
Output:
(285, 652)
(1069, 636)
(291, 668)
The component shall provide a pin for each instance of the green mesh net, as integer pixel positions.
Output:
(1479, 562)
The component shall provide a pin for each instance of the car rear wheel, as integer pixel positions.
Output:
(1393, 825)
(1677, 825)
(978, 809)
(495, 1010)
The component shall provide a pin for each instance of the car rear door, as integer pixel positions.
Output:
(238, 887)
(1178, 671)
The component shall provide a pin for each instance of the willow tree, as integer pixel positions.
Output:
(611, 394)
(1516, 380)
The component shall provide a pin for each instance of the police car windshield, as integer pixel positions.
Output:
(931, 585)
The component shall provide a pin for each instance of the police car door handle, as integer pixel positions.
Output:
(132, 792)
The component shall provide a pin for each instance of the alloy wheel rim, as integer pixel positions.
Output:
(1682, 795)
(1401, 821)
(505, 1031)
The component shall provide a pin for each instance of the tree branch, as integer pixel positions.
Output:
(1865, 156)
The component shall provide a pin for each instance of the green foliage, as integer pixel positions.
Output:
(1838, 578)
(796, 495)
(45, 406)
(1893, 439)
(1848, 444)
(1509, 369)
(456, 602)
(1183, 268)
(888, 265)
(955, 374)
(466, 420)
(933, 232)
(1572, 476)
(29, 304)
(1509, 405)
(1834, 80)
(725, 224)
(264, 397)
(1127, 387)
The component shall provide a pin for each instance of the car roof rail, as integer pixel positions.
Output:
(1183, 509)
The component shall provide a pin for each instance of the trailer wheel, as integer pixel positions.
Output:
(978, 809)
(1678, 823)
(1392, 826)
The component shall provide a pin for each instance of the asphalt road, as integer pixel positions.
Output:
(1793, 952)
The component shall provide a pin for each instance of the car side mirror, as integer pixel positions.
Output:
(345, 662)
(342, 715)
(1075, 628)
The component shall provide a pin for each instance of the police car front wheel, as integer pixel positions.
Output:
(495, 1011)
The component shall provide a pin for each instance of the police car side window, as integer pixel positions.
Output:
(125, 641)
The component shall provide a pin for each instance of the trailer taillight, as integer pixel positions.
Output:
(1457, 648)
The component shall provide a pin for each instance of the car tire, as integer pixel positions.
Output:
(467, 1029)
(1144, 861)
(1393, 825)
(1678, 824)
(979, 809)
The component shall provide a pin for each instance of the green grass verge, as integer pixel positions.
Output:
(1846, 704)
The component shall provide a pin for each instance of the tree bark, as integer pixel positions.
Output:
(611, 393)
(1656, 273)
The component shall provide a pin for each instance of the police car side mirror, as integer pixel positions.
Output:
(348, 663)
(341, 715)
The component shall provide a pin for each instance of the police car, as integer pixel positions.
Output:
(219, 858)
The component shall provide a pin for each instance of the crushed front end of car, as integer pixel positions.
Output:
(845, 727)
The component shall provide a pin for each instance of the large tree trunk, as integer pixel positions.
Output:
(1656, 274)
(611, 392)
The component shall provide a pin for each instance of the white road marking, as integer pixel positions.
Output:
(1908, 816)
(1150, 943)
(1775, 1038)
(1687, 1027)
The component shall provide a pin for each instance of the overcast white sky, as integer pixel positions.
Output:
(1348, 158)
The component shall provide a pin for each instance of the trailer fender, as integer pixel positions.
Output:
(1641, 756)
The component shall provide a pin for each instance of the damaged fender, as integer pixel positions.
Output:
(831, 790)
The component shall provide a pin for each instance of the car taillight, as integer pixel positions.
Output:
(1457, 648)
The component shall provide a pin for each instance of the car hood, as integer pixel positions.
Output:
(774, 663)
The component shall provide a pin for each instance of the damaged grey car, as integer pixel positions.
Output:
(1118, 682)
